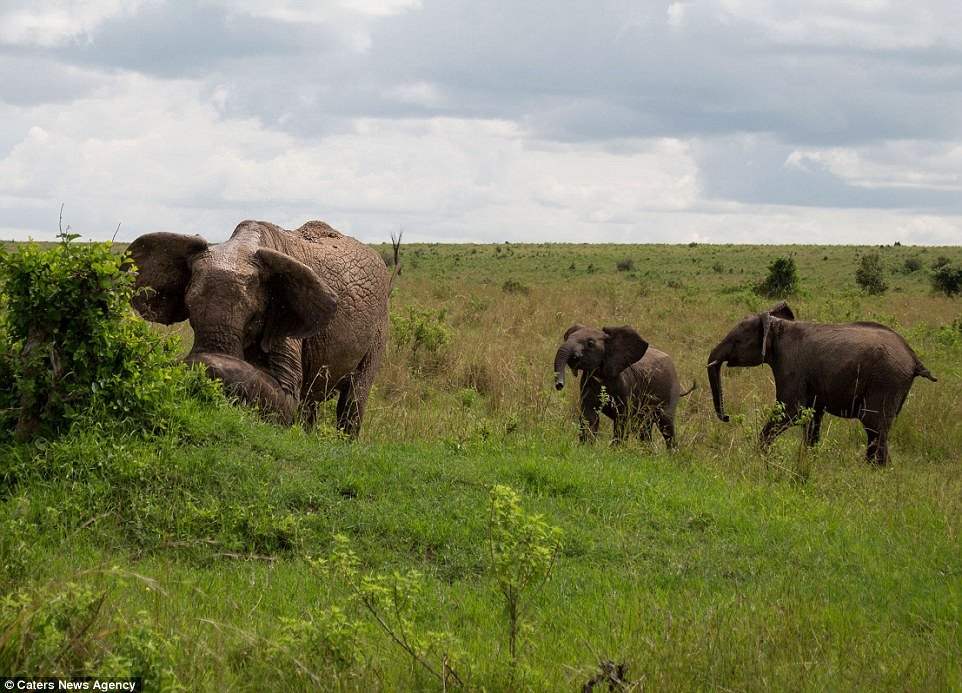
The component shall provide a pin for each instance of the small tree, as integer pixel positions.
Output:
(782, 279)
(70, 342)
(870, 275)
(947, 279)
(523, 549)
(911, 265)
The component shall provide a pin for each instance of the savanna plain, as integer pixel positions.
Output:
(232, 554)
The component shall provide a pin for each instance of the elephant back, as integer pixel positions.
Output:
(315, 231)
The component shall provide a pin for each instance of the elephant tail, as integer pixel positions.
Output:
(396, 242)
(689, 390)
(922, 371)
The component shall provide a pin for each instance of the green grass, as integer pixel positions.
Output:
(714, 567)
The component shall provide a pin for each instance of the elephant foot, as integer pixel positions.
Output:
(249, 384)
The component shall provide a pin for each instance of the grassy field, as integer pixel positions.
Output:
(194, 557)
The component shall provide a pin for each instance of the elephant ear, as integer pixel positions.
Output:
(781, 310)
(299, 303)
(623, 346)
(163, 262)
(571, 330)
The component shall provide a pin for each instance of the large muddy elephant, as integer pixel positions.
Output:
(859, 370)
(640, 382)
(285, 319)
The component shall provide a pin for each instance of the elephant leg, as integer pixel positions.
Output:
(644, 429)
(348, 411)
(590, 407)
(814, 429)
(877, 419)
(352, 400)
(776, 425)
(588, 425)
(877, 432)
(876, 452)
(667, 427)
(620, 428)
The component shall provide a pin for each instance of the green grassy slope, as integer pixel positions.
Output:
(714, 567)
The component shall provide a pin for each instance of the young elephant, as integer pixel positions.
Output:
(640, 381)
(859, 370)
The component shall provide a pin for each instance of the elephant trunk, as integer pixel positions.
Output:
(218, 341)
(715, 361)
(560, 362)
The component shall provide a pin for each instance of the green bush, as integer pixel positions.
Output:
(870, 275)
(947, 279)
(70, 344)
(513, 286)
(421, 330)
(782, 279)
(911, 265)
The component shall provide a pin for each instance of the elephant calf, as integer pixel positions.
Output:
(859, 370)
(640, 381)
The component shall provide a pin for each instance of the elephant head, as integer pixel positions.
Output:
(607, 351)
(237, 295)
(748, 344)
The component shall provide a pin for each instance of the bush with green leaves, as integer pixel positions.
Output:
(60, 630)
(72, 346)
(522, 549)
(947, 279)
(911, 265)
(391, 602)
(513, 286)
(423, 331)
(870, 274)
(782, 279)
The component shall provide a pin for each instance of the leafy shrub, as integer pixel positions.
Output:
(626, 265)
(522, 549)
(513, 286)
(947, 279)
(870, 275)
(911, 265)
(421, 330)
(325, 643)
(782, 279)
(73, 346)
(391, 603)
(60, 631)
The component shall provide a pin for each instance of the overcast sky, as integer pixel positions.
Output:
(744, 121)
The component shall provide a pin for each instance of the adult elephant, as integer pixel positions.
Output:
(640, 382)
(285, 319)
(859, 370)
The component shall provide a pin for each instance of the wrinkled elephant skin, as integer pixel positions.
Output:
(859, 370)
(640, 383)
(286, 319)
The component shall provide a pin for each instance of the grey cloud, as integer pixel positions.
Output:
(754, 171)
(185, 39)
(29, 78)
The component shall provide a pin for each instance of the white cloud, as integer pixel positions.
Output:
(54, 22)
(899, 164)
(718, 120)
(676, 15)
(875, 24)
(152, 151)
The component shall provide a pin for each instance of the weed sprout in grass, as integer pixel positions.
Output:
(522, 552)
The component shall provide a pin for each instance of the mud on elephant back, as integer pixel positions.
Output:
(286, 319)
